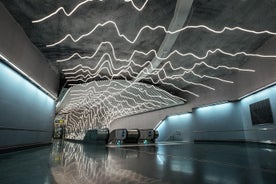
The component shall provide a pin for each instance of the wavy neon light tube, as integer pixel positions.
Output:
(136, 7)
(68, 14)
(162, 81)
(114, 115)
(120, 85)
(151, 97)
(198, 64)
(102, 101)
(74, 80)
(154, 96)
(89, 77)
(88, 91)
(64, 11)
(111, 67)
(112, 96)
(187, 91)
(155, 28)
(81, 95)
(107, 102)
(76, 54)
(118, 103)
(110, 64)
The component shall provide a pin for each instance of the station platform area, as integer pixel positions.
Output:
(178, 162)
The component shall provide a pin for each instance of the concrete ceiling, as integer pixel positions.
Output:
(177, 73)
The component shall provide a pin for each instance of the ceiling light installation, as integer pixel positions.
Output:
(98, 103)
(96, 106)
(72, 73)
(110, 68)
(68, 14)
(218, 50)
(175, 52)
(156, 28)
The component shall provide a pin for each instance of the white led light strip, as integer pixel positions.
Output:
(120, 86)
(160, 80)
(126, 88)
(107, 103)
(89, 77)
(217, 50)
(111, 68)
(110, 64)
(68, 14)
(105, 106)
(119, 90)
(155, 28)
(82, 96)
(95, 101)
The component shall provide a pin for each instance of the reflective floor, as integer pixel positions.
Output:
(66, 162)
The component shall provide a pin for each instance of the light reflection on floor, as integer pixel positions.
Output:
(77, 163)
(67, 162)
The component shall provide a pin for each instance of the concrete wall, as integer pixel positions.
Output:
(26, 113)
(19, 50)
(229, 121)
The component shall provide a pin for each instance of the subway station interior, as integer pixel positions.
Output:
(137, 91)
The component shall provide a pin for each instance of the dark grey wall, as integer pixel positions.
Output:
(26, 113)
(19, 50)
(228, 121)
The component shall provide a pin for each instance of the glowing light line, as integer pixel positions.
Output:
(111, 95)
(90, 75)
(187, 91)
(115, 93)
(136, 7)
(68, 14)
(120, 84)
(106, 111)
(64, 11)
(76, 54)
(132, 94)
(107, 98)
(81, 95)
(155, 28)
(160, 80)
(88, 105)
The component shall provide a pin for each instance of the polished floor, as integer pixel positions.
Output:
(66, 162)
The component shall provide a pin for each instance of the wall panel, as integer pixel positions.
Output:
(26, 113)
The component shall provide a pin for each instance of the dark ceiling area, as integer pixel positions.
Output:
(110, 35)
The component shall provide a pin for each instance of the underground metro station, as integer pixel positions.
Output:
(137, 91)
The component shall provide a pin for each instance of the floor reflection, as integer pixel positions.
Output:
(26, 167)
(82, 163)
(67, 162)
(178, 163)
